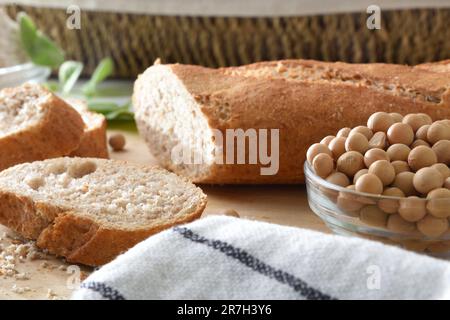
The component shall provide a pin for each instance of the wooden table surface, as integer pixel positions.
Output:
(286, 205)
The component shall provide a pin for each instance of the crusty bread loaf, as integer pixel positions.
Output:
(90, 210)
(35, 124)
(306, 100)
(93, 143)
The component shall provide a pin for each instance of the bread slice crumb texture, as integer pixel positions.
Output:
(113, 193)
(90, 210)
(91, 119)
(172, 123)
(20, 108)
(35, 124)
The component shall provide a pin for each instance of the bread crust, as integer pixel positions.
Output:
(93, 142)
(58, 134)
(77, 238)
(439, 66)
(304, 110)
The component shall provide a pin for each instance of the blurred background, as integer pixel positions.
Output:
(223, 33)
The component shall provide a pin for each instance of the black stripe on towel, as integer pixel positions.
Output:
(257, 265)
(104, 290)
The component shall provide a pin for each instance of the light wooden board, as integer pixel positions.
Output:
(286, 205)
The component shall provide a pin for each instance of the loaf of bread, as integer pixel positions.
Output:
(91, 210)
(180, 105)
(35, 124)
(93, 142)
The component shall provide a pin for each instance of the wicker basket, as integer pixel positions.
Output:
(135, 41)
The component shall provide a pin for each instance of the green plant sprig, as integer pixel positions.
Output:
(112, 111)
(43, 51)
(104, 69)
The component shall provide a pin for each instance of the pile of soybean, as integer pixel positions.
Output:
(403, 157)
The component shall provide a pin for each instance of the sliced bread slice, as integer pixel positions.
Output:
(93, 143)
(35, 124)
(90, 210)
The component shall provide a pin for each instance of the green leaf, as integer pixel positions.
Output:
(103, 107)
(68, 74)
(39, 47)
(51, 86)
(28, 31)
(112, 111)
(120, 114)
(103, 70)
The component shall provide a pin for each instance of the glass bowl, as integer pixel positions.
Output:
(376, 217)
(18, 74)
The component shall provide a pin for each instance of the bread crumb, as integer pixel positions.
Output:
(51, 295)
(62, 268)
(15, 251)
(20, 290)
(21, 276)
(13, 254)
(48, 266)
(36, 255)
(83, 275)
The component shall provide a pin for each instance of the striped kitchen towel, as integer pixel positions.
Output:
(231, 258)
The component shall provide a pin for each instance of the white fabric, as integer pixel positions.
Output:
(170, 265)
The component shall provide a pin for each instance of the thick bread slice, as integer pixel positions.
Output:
(93, 143)
(90, 210)
(306, 100)
(35, 124)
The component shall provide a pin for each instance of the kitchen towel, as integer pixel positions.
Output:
(230, 258)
